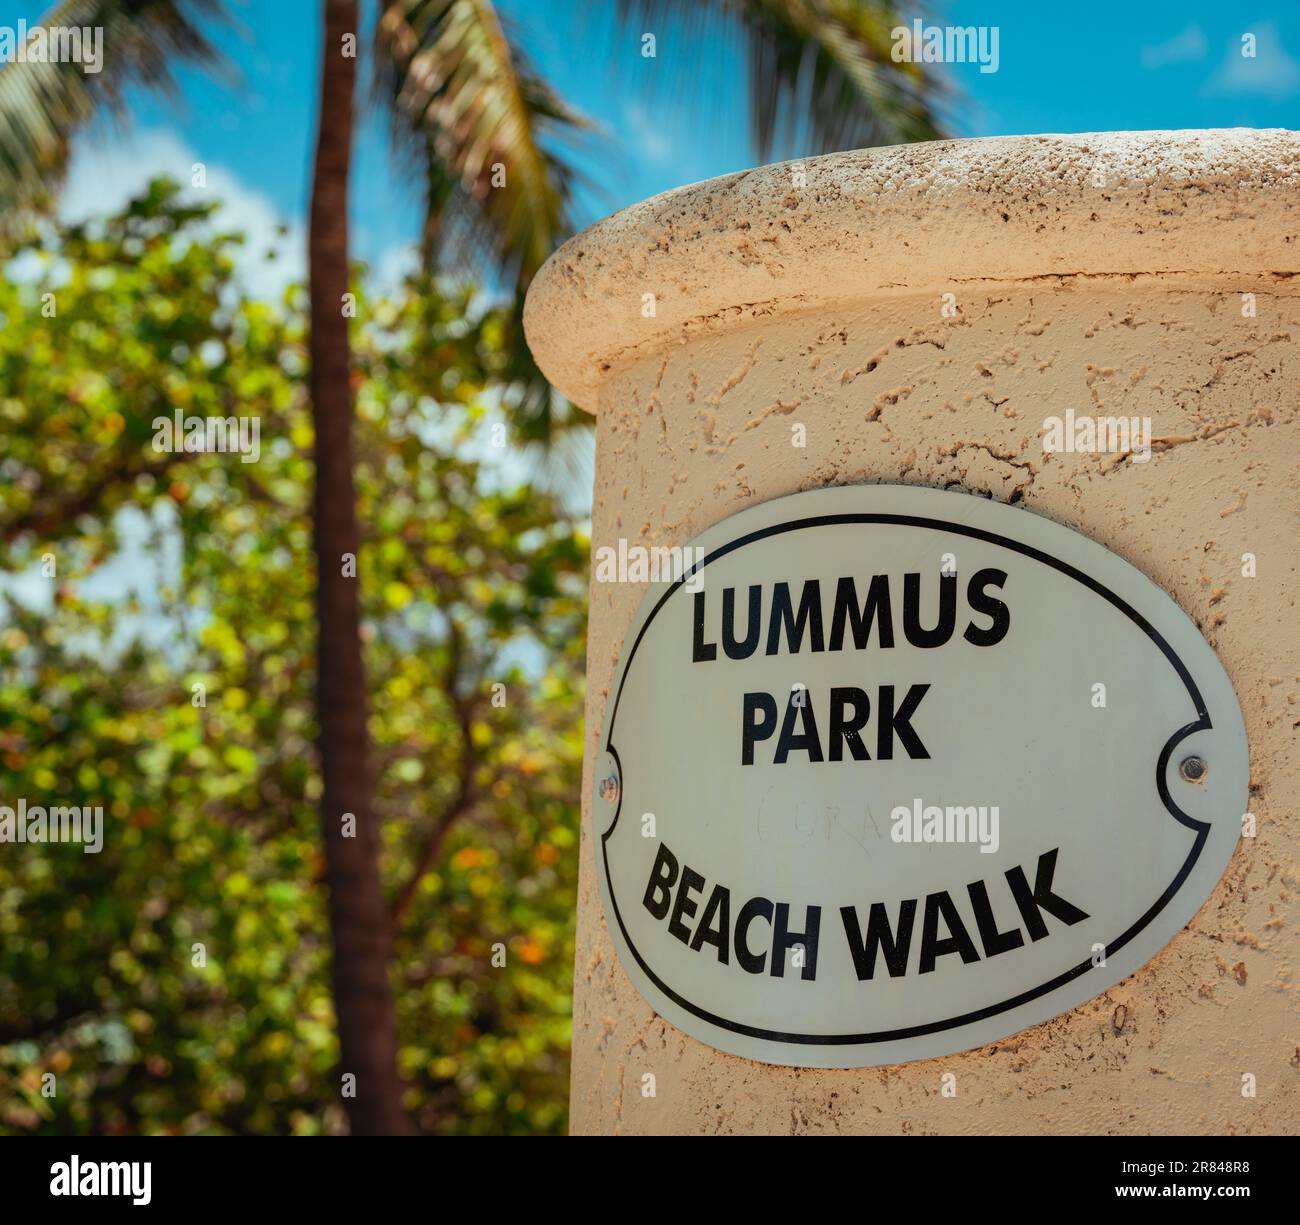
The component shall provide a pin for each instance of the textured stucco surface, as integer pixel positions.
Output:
(829, 230)
(698, 425)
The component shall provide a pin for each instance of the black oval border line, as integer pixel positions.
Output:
(1202, 828)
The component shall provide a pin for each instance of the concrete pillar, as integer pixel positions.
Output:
(922, 310)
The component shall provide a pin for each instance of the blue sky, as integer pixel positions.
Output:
(1061, 69)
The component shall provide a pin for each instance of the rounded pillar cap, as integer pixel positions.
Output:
(934, 217)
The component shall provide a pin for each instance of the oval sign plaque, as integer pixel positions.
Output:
(891, 772)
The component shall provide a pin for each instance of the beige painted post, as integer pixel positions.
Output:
(917, 313)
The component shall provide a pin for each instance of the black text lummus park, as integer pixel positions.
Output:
(858, 606)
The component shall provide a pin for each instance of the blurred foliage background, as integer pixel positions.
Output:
(178, 981)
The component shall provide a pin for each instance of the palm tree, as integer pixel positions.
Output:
(485, 130)
(358, 913)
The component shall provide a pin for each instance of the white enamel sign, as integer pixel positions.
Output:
(890, 773)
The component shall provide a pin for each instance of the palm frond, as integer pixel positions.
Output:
(483, 130)
(469, 109)
(43, 104)
(821, 73)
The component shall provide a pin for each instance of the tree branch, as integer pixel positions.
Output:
(47, 518)
(466, 793)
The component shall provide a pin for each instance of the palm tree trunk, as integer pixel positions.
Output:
(363, 998)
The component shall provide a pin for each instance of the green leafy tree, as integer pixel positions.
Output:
(179, 980)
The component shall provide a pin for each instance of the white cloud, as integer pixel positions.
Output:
(393, 266)
(105, 175)
(1270, 72)
(1188, 46)
(648, 134)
